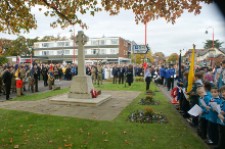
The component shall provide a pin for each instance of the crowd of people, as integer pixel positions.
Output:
(19, 78)
(207, 92)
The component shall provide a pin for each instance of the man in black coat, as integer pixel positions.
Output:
(6, 77)
(121, 71)
(45, 75)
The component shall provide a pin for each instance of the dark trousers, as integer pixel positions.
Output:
(45, 78)
(7, 90)
(185, 107)
(221, 143)
(148, 81)
(115, 79)
(121, 78)
(36, 85)
(203, 125)
(213, 132)
(170, 83)
(162, 80)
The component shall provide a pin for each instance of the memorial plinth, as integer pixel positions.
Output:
(81, 86)
(64, 100)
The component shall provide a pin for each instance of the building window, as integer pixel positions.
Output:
(60, 52)
(51, 53)
(45, 52)
(94, 51)
(63, 44)
(66, 52)
(102, 42)
(102, 51)
(45, 45)
(94, 42)
(67, 44)
(60, 44)
(114, 41)
(112, 51)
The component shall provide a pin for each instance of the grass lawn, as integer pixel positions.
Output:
(32, 131)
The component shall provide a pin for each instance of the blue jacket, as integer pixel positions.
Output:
(162, 72)
(167, 73)
(222, 106)
(171, 72)
(213, 115)
(206, 99)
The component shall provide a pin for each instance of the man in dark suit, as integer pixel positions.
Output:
(6, 77)
(121, 72)
(115, 74)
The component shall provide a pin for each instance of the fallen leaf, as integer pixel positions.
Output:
(106, 140)
(104, 133)
(126, 142)
(11, 140)
(50, 141)
(16, 146)
(68, 145)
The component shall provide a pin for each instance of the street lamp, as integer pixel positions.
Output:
(212, 34)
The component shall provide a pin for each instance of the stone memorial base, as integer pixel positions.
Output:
(64, 99)
(81, 87)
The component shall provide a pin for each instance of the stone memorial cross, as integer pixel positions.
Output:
(81, 40)
(81, 85)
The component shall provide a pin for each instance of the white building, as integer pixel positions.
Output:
(107, 49)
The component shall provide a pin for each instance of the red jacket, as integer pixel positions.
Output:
(19, 83)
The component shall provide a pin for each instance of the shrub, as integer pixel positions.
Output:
(3, 60)
(139, 79)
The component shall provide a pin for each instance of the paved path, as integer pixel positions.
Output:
(106, 111)
(41, 88)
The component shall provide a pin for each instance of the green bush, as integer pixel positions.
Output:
(139, 79)
(3, 60)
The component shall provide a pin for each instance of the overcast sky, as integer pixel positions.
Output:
(161, 36)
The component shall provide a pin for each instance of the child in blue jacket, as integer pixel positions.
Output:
(203, 103)
(213, 116)
(221, 120)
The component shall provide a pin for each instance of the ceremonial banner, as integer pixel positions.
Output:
(191, 70)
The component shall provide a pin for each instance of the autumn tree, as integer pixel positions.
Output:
(140, 58)
(4, 45)
(209, 44)
(159, 54)
(16, 16)
(18, 47)
(173, 58)
(3, 60)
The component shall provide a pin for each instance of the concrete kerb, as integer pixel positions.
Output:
(105, 111)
